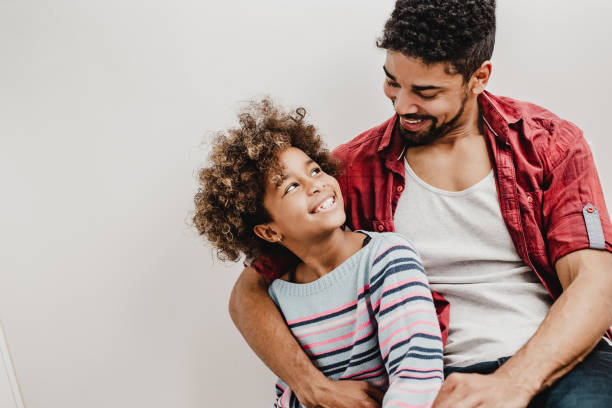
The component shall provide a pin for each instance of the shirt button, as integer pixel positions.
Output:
(400, 189)
(590, 209)
(380, 228)
(529, 199)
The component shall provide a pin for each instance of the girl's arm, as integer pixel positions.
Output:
(408, 330)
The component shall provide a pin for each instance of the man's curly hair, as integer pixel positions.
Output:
(229, 201)
(458, 32)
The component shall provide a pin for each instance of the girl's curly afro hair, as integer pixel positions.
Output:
(229, 201)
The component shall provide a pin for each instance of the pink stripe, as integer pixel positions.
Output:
(422, 370)
(364, 371)
(322, 313)
(308, 330)
(279, 401)
(335, 339)
(424, 376)
(328, 330)
(407, 328)
(415, 391)
(363, 377)
(338, 348)
(403, 316)
(404, 404)
(413, 294)
(366, 287)
(386, 288)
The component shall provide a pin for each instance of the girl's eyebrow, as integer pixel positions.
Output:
(281, 178)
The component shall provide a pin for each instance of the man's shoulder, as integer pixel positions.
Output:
(513, 111)
(530, 123)
(364, 145)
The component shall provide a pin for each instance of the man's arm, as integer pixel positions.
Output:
(573, 327)
(264, 329)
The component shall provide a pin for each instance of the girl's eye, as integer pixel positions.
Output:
(315, 171)
(290, 187)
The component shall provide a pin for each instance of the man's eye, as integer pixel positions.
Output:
(315, 171)
(427, 97)
(392, 84)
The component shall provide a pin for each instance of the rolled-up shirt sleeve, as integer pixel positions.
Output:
(573, 205)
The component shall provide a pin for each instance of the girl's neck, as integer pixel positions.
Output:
(325, 254)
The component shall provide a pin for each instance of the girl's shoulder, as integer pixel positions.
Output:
(381, 240)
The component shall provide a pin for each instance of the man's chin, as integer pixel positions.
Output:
(419, 138)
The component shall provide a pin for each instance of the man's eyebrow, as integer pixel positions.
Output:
(391, 77)
(420, 88)
(415, 88)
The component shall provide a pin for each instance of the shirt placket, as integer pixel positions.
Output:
(507, 193)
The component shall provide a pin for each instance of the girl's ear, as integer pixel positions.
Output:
(268, 233)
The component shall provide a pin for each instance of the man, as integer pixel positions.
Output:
(503, 201)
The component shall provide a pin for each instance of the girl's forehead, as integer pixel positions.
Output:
(290, 161)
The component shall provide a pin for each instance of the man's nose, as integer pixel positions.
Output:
(405, 103)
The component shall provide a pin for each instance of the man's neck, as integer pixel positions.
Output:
(457, 160)
(469, 126)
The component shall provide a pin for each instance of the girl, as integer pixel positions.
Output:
(358, 302)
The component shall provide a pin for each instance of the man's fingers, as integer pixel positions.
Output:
(375, 393)
(446, 391)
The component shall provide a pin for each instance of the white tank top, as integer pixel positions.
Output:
(496, 301)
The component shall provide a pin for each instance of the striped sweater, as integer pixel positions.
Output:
(372, 319)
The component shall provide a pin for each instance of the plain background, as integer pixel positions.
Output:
(108, 296)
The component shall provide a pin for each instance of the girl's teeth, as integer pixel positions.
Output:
(326, 204)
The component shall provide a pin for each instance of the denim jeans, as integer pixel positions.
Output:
(588, 385)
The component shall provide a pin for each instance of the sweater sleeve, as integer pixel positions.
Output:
(408, 330)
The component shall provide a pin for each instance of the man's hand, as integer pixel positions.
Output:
(486, 391)
(345, 394)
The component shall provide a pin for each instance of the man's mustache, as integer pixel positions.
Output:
(418, 117)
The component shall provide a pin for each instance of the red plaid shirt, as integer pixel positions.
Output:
(548, 189)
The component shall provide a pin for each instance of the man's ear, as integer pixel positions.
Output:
(267, 232)
(480, 78)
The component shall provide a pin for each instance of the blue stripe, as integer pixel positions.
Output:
(393, 249)
(414, 348)
(420, 378)
(354, 360)
(380, 277)
(321, 318)
(410, 370)
(402, 303)
(404, 286)
(395, 363)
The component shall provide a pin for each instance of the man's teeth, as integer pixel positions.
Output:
(413, 121)
(325, 204)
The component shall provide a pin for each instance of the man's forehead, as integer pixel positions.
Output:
(402, 68)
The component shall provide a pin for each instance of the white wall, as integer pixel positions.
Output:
(107, 296)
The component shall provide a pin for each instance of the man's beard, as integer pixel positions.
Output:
(425, 137)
